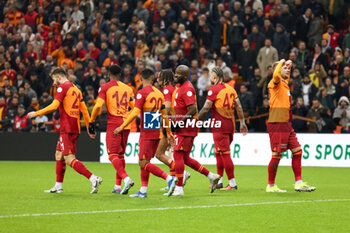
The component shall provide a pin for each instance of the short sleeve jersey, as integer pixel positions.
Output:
(279, 99)
(149, 99)
(168, 92)
(70, 97)
(184, 96)
(223, 97)
(117, 97)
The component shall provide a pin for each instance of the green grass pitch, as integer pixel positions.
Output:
(22, 185)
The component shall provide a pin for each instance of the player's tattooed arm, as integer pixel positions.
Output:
(239, 109)
(192, 110)
(206, 108)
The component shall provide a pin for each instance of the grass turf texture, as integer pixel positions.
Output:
(22, 185)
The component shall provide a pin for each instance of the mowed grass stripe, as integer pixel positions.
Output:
(173, 208)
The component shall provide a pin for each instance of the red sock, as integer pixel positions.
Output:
(179, 166)
(118, 179)
(273, 165)
(117, 162)
(228, 164)
(80, 168)
(195, 165)
(219, 164)
(155, 170)
(60, 170)
(144, 177)
(296, 164)
(172, 168)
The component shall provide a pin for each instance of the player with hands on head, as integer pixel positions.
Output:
(279, 126)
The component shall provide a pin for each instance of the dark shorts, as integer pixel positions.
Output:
(222, 141)
(183, 143)
(282, 136)
(67, 143)
(116, 144)
(148, 148)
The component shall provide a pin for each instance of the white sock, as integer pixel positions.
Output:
(168, 178)
(92, 177)
(117, 186)
(232, 182)
(179, 187)
(299, 182)
(126, 179)
(143, 189)
(220, 181)
(59, 184)
(211, 175)
(270, 185)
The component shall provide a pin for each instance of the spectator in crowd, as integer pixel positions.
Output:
(256, 38)
(331, 36)
(22, 122)
(314, 34)
(325, 124)
(247, 99)
(308, 90)
(299, 109)
(267, 55)
(342, 114)
(346, 40)
(315, 114)
(247, 61)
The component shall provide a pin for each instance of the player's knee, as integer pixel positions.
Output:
(142, 163)
(276, 155)
(297, 152)
(68, 159)
(59, 156)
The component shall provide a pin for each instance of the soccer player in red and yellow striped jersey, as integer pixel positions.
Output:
(279, 127)
(150, 103)
(70, 102)
(118, 97)
(223, 99)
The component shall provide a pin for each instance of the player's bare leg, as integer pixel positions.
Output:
(272, 170)
(60, 170)
(81, 169)
(299, 185)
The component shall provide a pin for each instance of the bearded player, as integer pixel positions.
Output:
(223, 99)
(118, 97)
(185, 109)
(279, 127)
(69, 100)
(150, 103)
(166, 82)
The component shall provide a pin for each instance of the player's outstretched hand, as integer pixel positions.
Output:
(92, 128)
(243, 129)
(117, 131)
(31, 114)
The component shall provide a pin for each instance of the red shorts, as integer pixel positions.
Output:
(282, 136)
(183, 143)
(67, 143)
(116, 144)
(148, 148)
(222, 141)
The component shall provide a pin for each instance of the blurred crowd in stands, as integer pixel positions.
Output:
(243, 37)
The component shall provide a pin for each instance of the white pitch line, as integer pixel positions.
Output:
(173, 208)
